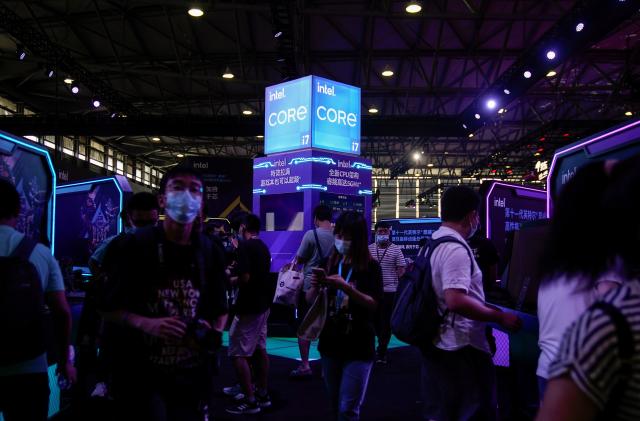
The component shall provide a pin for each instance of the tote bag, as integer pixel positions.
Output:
(314, 321)
(289, 285)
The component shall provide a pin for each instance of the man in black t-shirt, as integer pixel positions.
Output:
(164, 288)
(248, 333)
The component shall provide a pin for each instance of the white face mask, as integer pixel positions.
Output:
(182, 206)
(382, 239)
(343, 246)
(474, 228)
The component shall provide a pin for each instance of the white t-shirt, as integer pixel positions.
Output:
(390, 259)
(450, 268)
(561, 302)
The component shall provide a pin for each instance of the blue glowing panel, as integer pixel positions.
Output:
(287, 124)
(336, 117)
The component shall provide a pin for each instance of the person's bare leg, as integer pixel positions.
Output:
(304, 346)
(243, 371)
(261, 369)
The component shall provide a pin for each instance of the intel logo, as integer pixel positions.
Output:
(276, 95)
(326, 90)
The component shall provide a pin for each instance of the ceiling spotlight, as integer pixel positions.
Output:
(96, 103)
(196, 12)
(113, 115)
(280, 59)
(502, 111)
(180, 155)
(227, 74)
(373, 110)
(155, 139)
(579, 27)
(75, 89)
(507, 92)
(464, 126)
(413, 7)
(526, 74)
(492, 104)
(247, 112)
(49, 72)
(21, 52)
(416, 156)
(551, 73)
(387, 72)
(278, 34)
(68, 80)
(260, 136)
(628, 113)
(470, 135)
(477, 116)
(430, 165)
(551, 54)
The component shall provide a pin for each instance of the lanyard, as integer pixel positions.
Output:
(340, 294)
(383, 254)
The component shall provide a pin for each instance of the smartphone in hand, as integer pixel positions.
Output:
(320, 273)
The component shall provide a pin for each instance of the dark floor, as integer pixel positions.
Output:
(392, 394)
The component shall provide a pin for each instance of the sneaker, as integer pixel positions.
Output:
(264, 401)
(244, 407)
(233, 390)
(301, 373)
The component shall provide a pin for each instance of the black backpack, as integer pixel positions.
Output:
(22, 308)
(416, 317)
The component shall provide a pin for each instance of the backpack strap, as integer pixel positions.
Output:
(24, 249)
(434, 243)
(315, 235)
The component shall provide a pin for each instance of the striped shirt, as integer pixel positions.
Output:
(390, 259)
(589, 354)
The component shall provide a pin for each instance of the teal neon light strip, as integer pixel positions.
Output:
(320, 160)
(361, 166)
(266, 164)
(311, 187)
(368, 192)
(75, 187)
(259, 191)
(52, 200)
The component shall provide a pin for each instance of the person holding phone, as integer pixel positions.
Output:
(347, 341)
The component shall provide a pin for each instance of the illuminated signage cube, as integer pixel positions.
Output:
(312, 112)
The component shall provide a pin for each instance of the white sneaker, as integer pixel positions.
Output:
(233, 390)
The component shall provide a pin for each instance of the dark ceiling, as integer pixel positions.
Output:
(151, 61)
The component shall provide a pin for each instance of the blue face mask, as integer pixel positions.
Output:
(343, 246)
(182, 206)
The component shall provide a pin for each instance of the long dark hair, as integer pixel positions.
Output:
(355, 225)
(573, 247)
(622, 206)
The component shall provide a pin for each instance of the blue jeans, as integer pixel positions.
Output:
(346, 383)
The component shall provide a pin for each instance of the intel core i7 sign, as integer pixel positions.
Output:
(312, 112)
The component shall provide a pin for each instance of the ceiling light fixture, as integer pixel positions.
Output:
(477, 116)
(196, 12)
(464, 126)
(416, 156)
(551, 54)
(21, 52)
(96, 103)
(68, 80)
(430, 165)
(247, 112)
(507, 92)
(502, 111)
(373, 110)
(551, 73)
(75, 89)
(227, 74)
(387, 72)
(50, 72)
(413, 7)
(628, 113)
(278, 34)
(260, 136)
(492, 104)
(155, 139)
(579, 27)
(470, 135)
(180, 155)
(526, 74)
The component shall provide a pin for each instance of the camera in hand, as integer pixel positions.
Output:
(207, 339)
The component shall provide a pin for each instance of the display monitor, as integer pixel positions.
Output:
(409, 233)
(88, 214)
(341, 203)
(312, 112)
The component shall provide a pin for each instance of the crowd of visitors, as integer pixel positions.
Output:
(165, 291)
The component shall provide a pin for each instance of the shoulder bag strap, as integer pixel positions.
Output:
(315, 235)
(24, 248)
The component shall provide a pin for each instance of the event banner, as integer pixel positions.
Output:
(227, 184)
(312, 112)
(312, 170)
